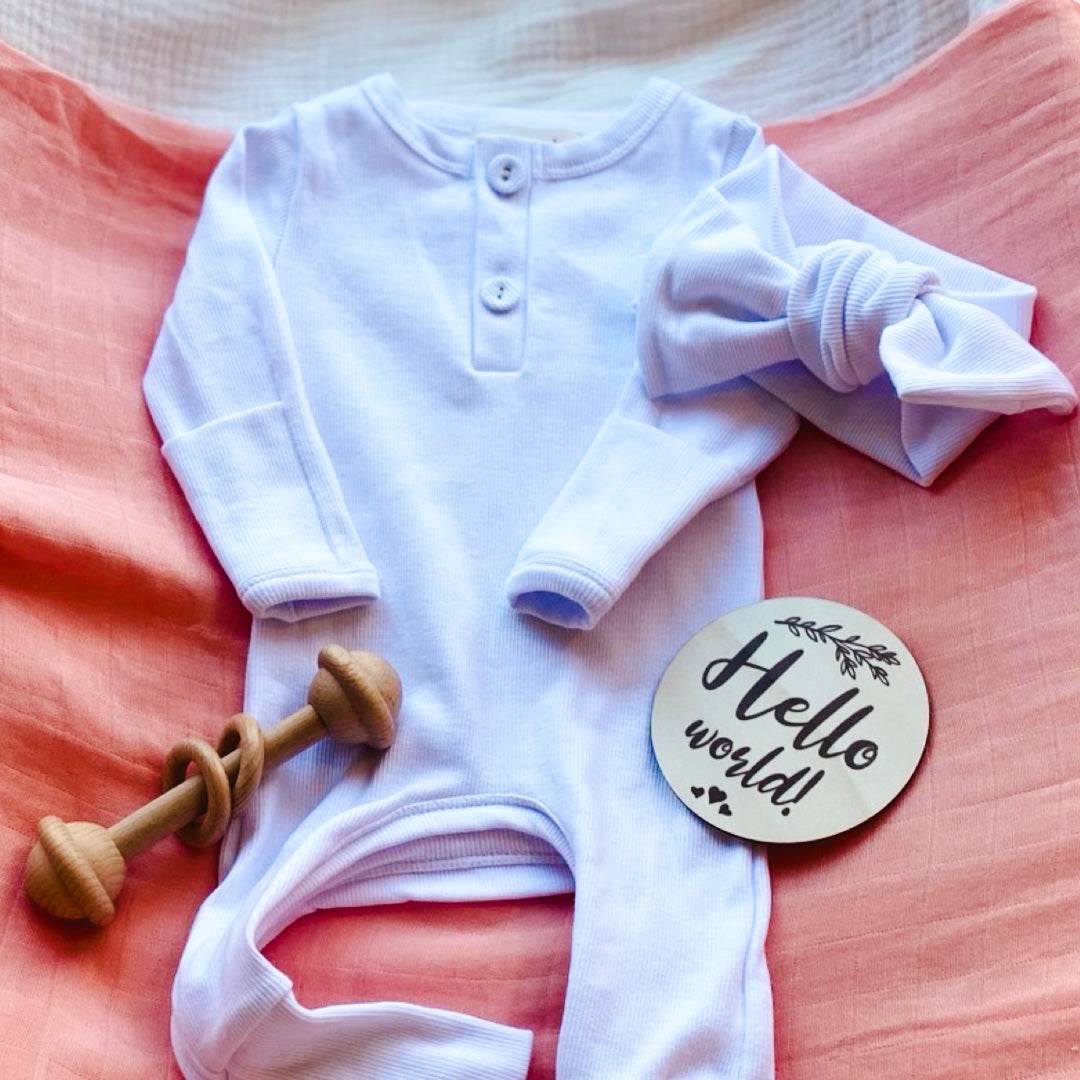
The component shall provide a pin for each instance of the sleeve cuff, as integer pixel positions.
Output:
(561, 593)
(293, 596)
(647, 472)
(272, 510)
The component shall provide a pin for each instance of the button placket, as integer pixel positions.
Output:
(503, 180)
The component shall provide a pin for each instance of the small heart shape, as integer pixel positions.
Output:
(716, 795)
(697, 792)
(725, 809)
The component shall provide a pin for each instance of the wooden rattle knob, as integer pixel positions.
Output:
(76, 869)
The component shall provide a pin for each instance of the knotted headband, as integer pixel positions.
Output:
(725, 295)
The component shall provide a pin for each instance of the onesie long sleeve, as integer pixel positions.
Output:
(651, 468)
(897, 348)
(225, 389)
(405, 339)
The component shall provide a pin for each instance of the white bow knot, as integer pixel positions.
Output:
(840, 302)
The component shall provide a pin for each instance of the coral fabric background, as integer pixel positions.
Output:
(939, 941)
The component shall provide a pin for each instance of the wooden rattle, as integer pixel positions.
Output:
(76, 869)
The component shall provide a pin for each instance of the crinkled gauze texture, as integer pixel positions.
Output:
(491, 406)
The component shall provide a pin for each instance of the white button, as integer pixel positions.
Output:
(499, 294)
(505, 174)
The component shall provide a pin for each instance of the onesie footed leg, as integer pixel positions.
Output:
(76, 870)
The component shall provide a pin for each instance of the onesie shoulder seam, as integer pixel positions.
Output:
(298, 157)
(735, 152)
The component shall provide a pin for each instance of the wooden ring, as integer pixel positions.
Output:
(211, 826)
(243, 731)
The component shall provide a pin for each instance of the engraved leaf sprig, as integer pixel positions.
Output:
(851, 652)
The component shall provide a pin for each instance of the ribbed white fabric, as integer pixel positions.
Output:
(401, 366)
(764, 267)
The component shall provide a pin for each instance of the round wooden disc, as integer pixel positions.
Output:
(790, 720)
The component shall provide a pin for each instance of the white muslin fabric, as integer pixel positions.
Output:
(229, 62)
(445, 384)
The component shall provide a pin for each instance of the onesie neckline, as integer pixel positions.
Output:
(552, 160)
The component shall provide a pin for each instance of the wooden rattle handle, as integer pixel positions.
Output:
(76, 869)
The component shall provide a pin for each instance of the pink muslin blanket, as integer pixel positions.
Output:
(939, 941)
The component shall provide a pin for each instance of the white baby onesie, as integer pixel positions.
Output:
(405, 390)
